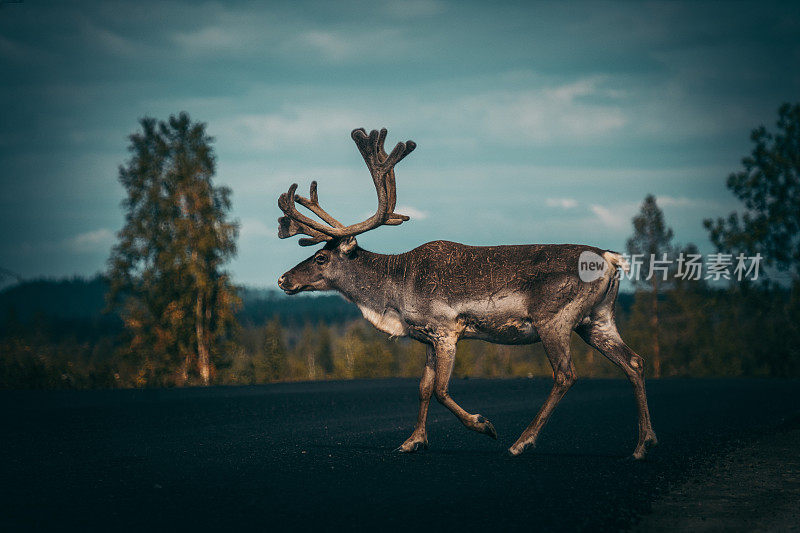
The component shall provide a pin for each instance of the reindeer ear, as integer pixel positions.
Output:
(347, 245)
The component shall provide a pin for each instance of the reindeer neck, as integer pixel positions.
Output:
(373, 280)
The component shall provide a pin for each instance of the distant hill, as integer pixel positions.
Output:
(260, 305)
(73, 298)
(81, 299)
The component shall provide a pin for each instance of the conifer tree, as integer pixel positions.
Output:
(769, 188)
(650, 241)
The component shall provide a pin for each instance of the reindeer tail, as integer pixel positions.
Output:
(617, 261)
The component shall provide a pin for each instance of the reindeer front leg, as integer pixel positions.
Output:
(419, 439)
(445, 359)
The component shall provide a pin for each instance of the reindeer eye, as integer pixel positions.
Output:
(321, 259)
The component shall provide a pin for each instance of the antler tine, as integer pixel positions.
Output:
(400, 152)
(392, 196)
(381, 138)
(295, 222)
(374, 142)
(361, 139)
(381, 167)
(288, 228)
(312, 204)
(397, 155)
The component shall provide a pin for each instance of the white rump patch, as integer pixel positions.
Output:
(617, 261)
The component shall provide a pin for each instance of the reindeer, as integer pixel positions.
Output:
(443, 291)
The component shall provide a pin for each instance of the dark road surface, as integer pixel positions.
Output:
(319, 455)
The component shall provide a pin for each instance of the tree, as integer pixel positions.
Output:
(271, 364)
(165, 271)
(325, 349)
(650, 241)
(306, 351)
(769, 187)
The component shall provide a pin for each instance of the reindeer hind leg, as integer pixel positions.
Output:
(602, 334)
(556, 347)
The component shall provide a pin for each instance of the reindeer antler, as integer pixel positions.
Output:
(381, 167)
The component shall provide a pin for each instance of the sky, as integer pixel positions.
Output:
(536, 122)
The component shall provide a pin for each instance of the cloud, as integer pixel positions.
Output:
(347, 45)
(545, 114)
(90, 241)
(256, 229)
(269, 34)
(692, 203)
(17, 51)
(294, 126)
(328, 44)
(209, 38)
(413, 212)
(568, 92)
(614, 219)
(222, 29)
(108, 41)
(564, 203)
(549, 114)
(675, 201)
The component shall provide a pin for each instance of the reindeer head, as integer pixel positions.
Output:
(320, 271)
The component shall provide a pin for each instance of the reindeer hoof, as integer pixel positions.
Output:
(517, 449)
(411, 447)
(513, 452)
(488, 428)
(641, 450)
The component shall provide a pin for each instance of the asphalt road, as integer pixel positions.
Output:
(320, 455)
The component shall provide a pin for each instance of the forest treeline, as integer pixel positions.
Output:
(54, 334)
(166, 313)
